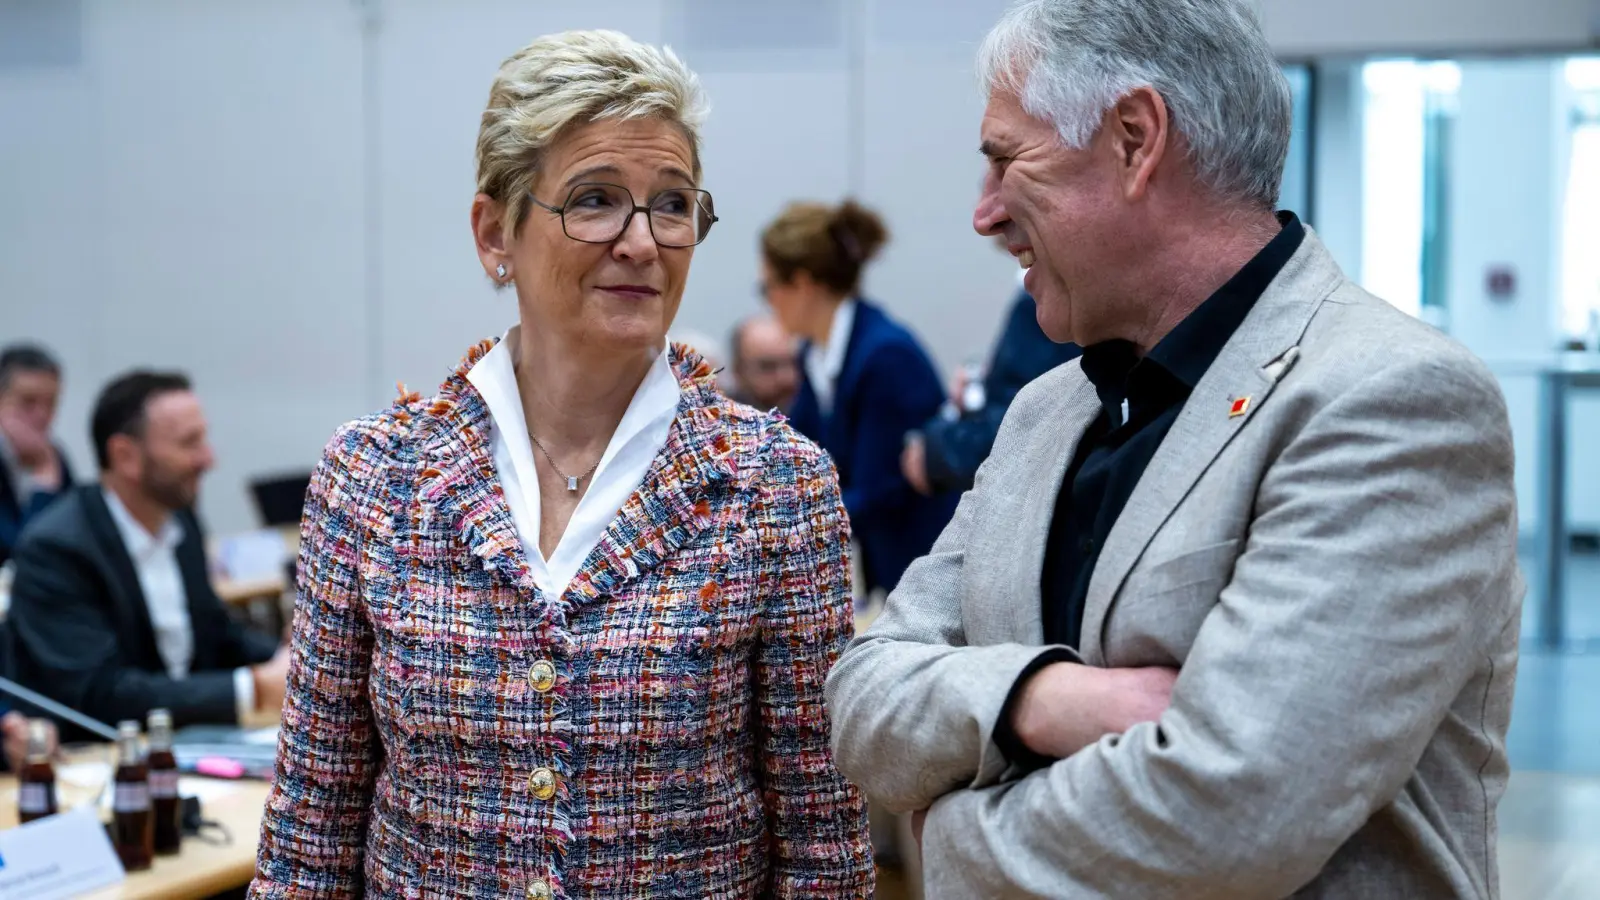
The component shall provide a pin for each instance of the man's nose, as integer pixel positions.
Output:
(989, 218)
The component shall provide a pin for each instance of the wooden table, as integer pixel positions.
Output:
(202, 869)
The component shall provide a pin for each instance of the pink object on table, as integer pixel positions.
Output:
(219, 767)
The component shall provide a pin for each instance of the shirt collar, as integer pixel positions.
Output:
(495, 377)
(142, 544)
(831, 355)
(1190, 348)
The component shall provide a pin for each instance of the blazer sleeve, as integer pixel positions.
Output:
(64, 627)
(899, 392)
(817, 819)
(1379, 574)
(914, 707)
(314, 829)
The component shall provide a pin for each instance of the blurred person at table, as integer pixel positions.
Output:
(946, 453)
(13, 722)
(765, 363)
(563, 628)
(112, 610)
(33, 470)
(865, 380)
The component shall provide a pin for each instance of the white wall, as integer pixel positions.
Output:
(274, 197)
(182, 196)
(1321, 27)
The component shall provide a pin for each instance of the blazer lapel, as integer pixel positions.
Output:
(1031, 518)
(122, 577)
(457, 476)
(1244, 373)
(674, 503)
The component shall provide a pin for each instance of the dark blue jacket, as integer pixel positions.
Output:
(956, 448)
(888, 386)
(13, 515)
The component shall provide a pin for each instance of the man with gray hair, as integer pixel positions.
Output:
(1232, 610)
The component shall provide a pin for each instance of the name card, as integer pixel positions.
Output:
(57, 857)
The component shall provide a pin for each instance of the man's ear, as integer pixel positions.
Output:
(1140, 130)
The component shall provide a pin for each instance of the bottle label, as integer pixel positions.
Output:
(164, 784)
(131, 797)
(34, 798)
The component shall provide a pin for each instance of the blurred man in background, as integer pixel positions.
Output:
(946, 455)
(33, 471)
(112, 610)
(766, 368)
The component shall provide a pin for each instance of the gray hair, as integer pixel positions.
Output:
(571, 78)
(1069, 61)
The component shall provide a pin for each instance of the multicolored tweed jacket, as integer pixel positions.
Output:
(656, 731)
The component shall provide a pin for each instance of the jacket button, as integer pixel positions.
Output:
(542, 676)
(542, 783)
(539, 889)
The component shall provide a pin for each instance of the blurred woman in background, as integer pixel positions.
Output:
(563, 629)
(865, 380)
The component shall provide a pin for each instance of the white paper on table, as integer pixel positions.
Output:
(254, 554)
(205, 789)
(86, 775)
(57, 857)
(261, 737)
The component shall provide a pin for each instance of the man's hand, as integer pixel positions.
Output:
(914, 464)
(1065, 707)
(31, 445)
(14, 732)
(270, 679)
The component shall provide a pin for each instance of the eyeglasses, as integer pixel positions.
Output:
(598, 213)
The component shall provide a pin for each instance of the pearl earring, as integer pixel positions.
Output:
(500, 270)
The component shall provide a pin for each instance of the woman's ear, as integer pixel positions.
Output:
(489, 233)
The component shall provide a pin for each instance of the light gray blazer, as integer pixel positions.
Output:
(1334, 571)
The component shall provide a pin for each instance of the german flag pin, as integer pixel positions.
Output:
(1241, 405)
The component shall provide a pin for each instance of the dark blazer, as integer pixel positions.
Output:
(888, 386)
(13, 516)
(82, 631)
(955, 449)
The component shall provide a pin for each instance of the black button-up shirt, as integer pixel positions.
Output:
(1140, 400)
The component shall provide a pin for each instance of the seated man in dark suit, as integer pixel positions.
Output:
(33, 471)
(112, 610)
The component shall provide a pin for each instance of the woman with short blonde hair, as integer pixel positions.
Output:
(563, 629)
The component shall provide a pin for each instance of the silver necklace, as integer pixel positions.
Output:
(572, 480)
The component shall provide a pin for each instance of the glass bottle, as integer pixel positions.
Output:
(37, 780)
(132, 828)
(164, 784)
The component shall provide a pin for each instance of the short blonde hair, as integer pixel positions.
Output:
(573, 78)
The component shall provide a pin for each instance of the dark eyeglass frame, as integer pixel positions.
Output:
(628, 219)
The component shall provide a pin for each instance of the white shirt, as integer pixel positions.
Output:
(155, 561)
(639, 438)
(23, 485)
(825, 361)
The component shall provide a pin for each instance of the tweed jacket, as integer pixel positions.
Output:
(658, 730)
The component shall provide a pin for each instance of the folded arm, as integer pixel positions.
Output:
(914, 707)
(1380, 567)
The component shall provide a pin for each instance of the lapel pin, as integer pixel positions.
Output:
(1240, 407)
